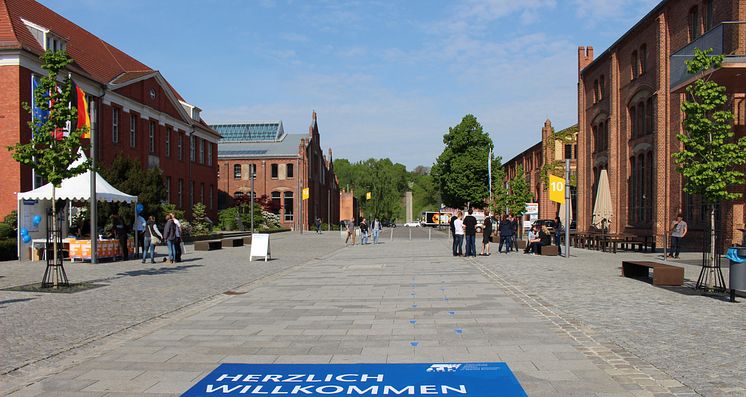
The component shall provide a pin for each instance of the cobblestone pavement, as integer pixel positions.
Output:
(695, 339)
(37, 326)
(397, 302)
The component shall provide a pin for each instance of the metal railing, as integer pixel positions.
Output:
(727, 38)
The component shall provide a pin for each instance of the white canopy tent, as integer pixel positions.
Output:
(77, 188)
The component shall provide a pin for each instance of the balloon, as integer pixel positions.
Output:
(26, 239)
(36, 220)
(139, 208)
(24, 231)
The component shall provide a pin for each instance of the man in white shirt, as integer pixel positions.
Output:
(139, 227)
(458, 234)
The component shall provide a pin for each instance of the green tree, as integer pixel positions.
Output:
(200, 225)
(500, 196)
(710, 154)
(520, 194)
(461, 170)
(425, 193)
(385, 180)
(130, 177)
(50, 152)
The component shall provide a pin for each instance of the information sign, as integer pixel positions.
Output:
(556, 189)
(260, 246)
(532, 208)
(305, 193)
(442, 379)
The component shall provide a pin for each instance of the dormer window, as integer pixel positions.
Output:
(44, 37)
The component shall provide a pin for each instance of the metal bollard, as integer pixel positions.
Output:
(392, 234)
(410, 234)
(429, 234)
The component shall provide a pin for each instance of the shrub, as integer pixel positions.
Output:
(8, 249)
(227, 217)
(200, 225)
(6, 231)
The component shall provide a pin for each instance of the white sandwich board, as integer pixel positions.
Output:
(260, 246)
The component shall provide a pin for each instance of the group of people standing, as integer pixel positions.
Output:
(365, 231)
(150, 237)
(464, 230)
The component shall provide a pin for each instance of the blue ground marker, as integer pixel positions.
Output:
(489, 379)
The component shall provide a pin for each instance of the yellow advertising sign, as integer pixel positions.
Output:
(368, 196)
(305, 193)
(556, 189)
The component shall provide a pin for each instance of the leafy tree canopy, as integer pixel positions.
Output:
(461, 170)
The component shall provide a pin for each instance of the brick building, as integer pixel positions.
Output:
(134, 110)
(629, 101)
(283, 165)
(547, 156)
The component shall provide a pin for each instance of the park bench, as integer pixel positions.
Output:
(662, 274)
(232, 242)
(208, 245)
(247, 240)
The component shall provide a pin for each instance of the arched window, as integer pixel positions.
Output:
(596, 94)
(643, 58)
(693, 23)
(632, 199)
(237, 195)
(649, 189)
(634, 65)
(602, 87)
(708, 17)
(641, 188)
(605, 137)
(288, 206)
(649, 116)
(641, 119)
(633, 121)
(276, 203)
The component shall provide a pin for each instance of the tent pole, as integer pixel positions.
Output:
(136, 242)
(18, 228)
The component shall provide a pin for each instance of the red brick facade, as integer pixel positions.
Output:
(310, 169)
(629, 114)
(533, 160)
(116, 84)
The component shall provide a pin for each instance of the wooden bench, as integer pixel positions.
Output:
(208, 245)
(522, 244)
(246, 240)
(549, 250)
(232, 242)
(662, 274)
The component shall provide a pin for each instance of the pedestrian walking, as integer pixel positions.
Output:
(364, 232)
(506, 235)
(178, 244)
(139, 228)
(350, 232)
(318, 225)
(678, 231)
(470, 232)
(152, 238)
(514, 239)
(559, 230)
(169, 235)
(458, 234)
(120, 232)
(486, 234)
(376, 230)
(451, 223)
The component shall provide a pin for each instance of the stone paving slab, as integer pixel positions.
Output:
(416, 306)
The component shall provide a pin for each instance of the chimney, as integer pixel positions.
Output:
(585, 57)
(546, 131)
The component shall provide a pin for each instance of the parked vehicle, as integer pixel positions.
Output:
(388, 223)
(549, 223)
(412, 224)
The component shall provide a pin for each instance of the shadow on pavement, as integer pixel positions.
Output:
(7, 301)
(157, 271)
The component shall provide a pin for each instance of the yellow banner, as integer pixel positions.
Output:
(368, 196)
(306, 193)
(556, 189)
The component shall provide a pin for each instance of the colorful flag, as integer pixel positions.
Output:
(81, 105)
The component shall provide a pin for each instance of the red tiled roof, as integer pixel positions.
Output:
(100, 60)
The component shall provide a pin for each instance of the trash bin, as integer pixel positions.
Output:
(737, 273)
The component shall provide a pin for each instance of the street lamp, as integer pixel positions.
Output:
(252, 175)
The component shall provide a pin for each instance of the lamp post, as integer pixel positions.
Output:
(252, 175)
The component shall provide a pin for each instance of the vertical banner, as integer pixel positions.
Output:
(556, 189)
(306, 193)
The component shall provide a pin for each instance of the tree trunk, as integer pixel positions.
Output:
(55, 275)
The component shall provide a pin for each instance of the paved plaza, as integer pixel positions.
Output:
(566, 327)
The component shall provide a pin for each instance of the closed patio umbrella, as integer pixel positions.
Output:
(562, 214)
(603, 210)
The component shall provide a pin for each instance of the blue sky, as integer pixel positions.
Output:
(387, 78)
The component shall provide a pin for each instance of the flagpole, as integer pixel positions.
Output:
(93, 199)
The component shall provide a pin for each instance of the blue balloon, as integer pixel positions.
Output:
(24, 231)
(26, 239)
(139, 208)
(36, 220)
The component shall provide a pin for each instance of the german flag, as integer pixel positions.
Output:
(78, 100)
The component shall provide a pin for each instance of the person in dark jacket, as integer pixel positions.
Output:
(486, 234)
(559, 230)
(120, 232)
(364, 232)
(506, 235)
(514, 239)
(453, 233)
(169, 234)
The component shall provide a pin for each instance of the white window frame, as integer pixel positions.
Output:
(151, 136)
(168, 142)
(133, 130)
(114, 125)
